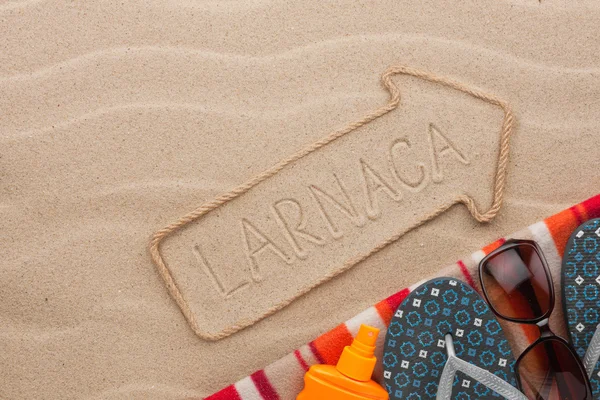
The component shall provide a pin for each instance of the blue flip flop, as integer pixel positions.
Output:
(581, 296)
(444, 342)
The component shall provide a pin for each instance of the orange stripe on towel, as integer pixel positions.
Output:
(329, 346)
(560, 227)
(493, 246)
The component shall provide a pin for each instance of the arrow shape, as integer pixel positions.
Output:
(316, 214)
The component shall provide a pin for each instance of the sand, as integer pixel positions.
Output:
(117, 119)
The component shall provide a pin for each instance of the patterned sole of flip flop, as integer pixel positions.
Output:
(581, 290)
(415, 353)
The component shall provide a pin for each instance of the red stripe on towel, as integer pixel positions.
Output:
(264, 387)
(580, 213)
(592, 207)
(301, 360)
(387, 307)
(395, 300)
(466, 274)
(316, 353)
(229, 393)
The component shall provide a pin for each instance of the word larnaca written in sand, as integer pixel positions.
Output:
(254, 250)
(331, 205)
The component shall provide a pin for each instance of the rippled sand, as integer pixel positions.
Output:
(118, 118)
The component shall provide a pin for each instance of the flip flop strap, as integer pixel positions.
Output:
(488, 379)
(593, 353)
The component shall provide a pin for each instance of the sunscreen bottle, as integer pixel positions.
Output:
(351, 378)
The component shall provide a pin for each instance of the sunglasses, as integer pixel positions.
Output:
(517, 284)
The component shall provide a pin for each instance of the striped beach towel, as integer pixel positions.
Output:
(283, 379)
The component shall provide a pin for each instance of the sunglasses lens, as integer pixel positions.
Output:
(516, 283)
(550, 371)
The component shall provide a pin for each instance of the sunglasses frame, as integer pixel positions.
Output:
(542, 322)
(511, 244)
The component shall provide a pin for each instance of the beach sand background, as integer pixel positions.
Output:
(116, 118)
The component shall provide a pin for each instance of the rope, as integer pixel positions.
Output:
(394, 101)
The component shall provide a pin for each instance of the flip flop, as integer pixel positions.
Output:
(444, 342)
(581, 296)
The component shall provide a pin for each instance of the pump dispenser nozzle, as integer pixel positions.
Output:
(358, 360)
(351, 378)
